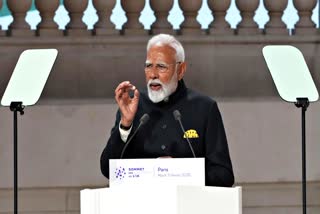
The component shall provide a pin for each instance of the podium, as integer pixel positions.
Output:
(157, 186)
(162, 199)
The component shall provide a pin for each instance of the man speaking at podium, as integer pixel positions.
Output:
(151, 123)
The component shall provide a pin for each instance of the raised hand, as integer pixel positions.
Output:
(128, 106)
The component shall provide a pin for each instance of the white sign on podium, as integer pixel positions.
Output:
(157, 186)
(171, 171)
(162, 199)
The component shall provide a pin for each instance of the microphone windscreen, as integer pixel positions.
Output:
(144, 118)
(176, 114)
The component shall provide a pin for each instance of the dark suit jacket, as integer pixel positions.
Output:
(162, 135)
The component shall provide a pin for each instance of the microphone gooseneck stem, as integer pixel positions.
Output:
(144, 119)
(127, 143)
(184, 132)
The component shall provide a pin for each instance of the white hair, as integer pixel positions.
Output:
(165, 91)
(166, 39)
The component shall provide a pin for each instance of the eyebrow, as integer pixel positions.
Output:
(160, 62)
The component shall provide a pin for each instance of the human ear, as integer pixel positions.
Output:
(181, 70)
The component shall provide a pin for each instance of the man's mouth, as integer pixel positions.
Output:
(155, 86)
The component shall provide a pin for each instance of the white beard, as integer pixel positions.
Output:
(165, 91)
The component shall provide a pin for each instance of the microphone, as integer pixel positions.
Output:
(143, 120)
(177, 117)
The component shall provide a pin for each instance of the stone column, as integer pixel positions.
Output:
(76, 9)
(2, 33)
(247, 11)
(161, 11)
(47, 26)
(219, 26)
(190, 9)
(104, 26)
(305, 25)
(133, 10)
(275, 24)
(19, 26)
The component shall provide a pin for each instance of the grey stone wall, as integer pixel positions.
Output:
(90, 68)
(60, 143)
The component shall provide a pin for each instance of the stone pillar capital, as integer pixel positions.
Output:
(47, 26)
(247, 11)
(275, 25)
(190, 9)
(2, 33)
(305, 25)
(161, 11)
(19, 9)
(133, 11)
(219, 26)
(104, 26)
(76, 10)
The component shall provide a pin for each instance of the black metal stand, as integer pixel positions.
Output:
(303, 103)
(16, 107)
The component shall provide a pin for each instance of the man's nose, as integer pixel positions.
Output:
(153, 73)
